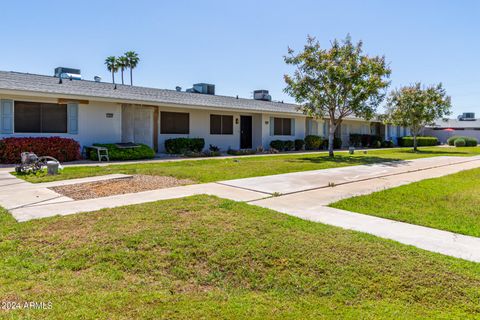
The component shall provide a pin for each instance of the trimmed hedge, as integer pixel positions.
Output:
(313, 142)
(387, 144)
(62, 149)
(460, 142)
(299, 144)
(364, 140)
(282, 145)
(115, 153)
(337, 143)
(183, 145)
(421, 141)
(469, 141)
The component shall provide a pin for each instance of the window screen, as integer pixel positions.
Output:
(34, 117)
(220, 124)
(174, 123)
(282, 126)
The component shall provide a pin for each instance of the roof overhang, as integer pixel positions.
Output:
(85, 98)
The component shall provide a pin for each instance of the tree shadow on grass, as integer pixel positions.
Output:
(435, 152)
(351, 160)
(372, 159)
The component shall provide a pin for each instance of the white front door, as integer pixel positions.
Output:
(143, 126)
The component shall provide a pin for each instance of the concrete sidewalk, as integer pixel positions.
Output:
(310, 180)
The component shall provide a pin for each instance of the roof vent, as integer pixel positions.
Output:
(68, 73)
(262, 95)
(467, 116)
(97, 79)
(203, 88)
(178, 88)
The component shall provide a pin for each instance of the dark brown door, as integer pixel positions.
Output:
(245, 132)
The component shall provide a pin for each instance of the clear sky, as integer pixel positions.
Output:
(239, 45)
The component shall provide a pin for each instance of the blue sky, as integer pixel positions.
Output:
(239, 45)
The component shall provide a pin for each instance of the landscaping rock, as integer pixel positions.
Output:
(136, 183)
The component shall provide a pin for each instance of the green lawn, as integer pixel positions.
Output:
(204, 257)
(223, 169)
(450, 203)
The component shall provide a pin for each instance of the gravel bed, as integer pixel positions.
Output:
(136, 183)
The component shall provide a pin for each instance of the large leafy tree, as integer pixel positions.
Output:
(112, 66)
(415, 107)
(122, 63)
(133, 60)
(337, 82)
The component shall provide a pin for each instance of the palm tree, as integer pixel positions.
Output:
(112, 66)
(122, 63)
(133, 60)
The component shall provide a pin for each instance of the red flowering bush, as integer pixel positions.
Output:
(62, 149)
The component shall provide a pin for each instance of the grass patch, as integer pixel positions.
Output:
(204, 257)
(449, 203)
(224, 169)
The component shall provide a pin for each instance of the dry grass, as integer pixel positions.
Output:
(136, 183)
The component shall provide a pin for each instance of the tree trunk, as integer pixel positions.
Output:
(331, 135)
(131, 77)
(122, 76)
(415, 143)
(113, 77)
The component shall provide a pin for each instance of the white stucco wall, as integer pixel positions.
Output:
(200, 128)
(444, 135)
(267, 138)
(93, 125)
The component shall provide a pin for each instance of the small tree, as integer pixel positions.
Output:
(336, 83)
(415, 107)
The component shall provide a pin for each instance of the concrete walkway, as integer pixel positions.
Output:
(303, 194)
(313, 205)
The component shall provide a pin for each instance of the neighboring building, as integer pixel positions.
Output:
(465, 125)
(97, 112)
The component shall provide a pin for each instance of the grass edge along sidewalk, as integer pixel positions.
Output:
(448, 203)
(211, 170)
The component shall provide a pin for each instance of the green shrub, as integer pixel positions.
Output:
(469, 141)
(313, 142)
(337, 143)
(282, 145)
(299, 144)
(364, 140)
(421, 141)
(277, 145)
(116, 153)
(183, 145)
(289, 145)
(387, 144)
(460, 142)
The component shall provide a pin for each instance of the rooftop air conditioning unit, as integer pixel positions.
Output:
(262, 95)
(467, 116)
(68, 73)
(204, 88)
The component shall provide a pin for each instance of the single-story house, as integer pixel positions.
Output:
(465, 125)
(98, 112)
